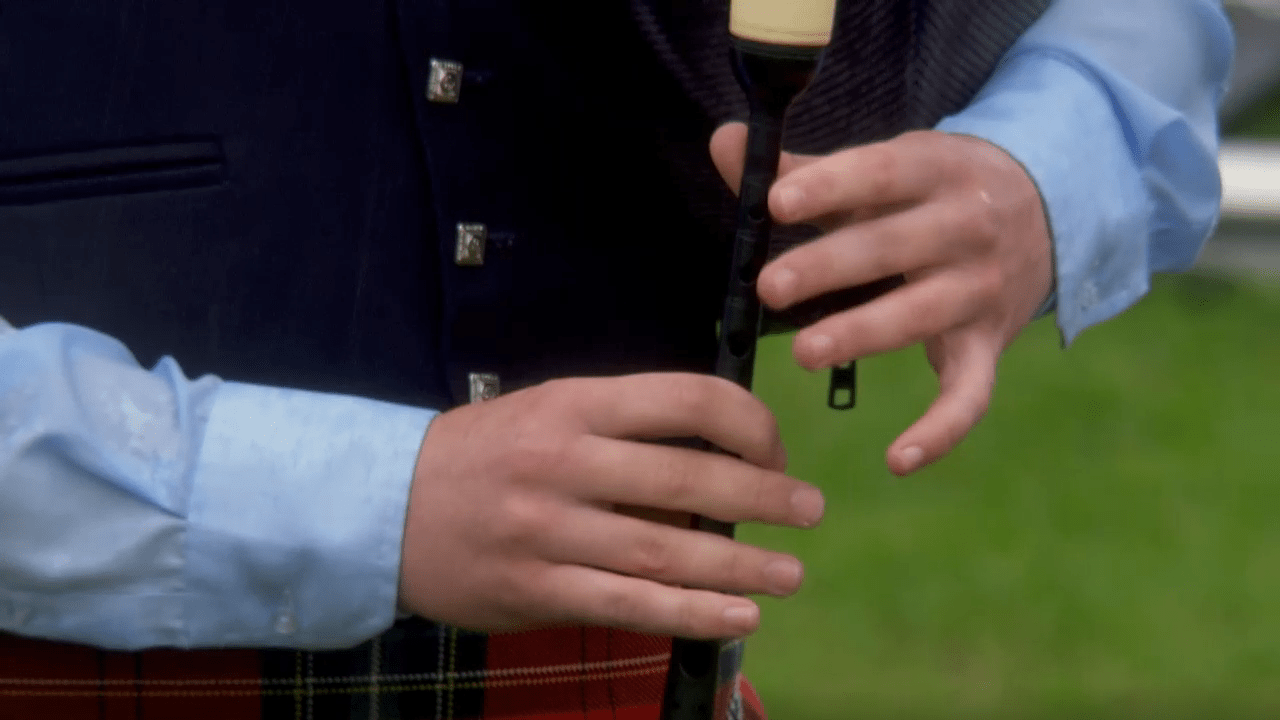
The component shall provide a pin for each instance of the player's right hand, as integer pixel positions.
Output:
(521, 513)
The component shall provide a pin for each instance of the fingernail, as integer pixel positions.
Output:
(783, 576)
(743, 618)
(913, 456)
(789, 201)
(808, 505)
(820, 347)
(784, 283)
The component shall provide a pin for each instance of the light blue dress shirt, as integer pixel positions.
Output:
(126, 518)
(1112, 109)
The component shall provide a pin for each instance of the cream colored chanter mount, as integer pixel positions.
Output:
(805, 23)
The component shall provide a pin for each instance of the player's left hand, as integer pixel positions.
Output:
(956, 216)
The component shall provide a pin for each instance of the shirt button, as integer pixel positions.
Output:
(469, 242)
(444, 83)
(285, 623)
(484, 386)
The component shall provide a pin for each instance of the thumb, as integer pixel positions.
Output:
(966, 377)
(729, 150)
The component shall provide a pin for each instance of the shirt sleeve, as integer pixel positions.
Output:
(144, 509)
(1112, 109)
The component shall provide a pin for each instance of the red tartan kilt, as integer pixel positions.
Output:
(563, 674)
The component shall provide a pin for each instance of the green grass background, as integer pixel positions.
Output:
(1260, 119)
(1106, 544)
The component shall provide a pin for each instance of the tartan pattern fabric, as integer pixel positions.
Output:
(415, 671)
(41, 680)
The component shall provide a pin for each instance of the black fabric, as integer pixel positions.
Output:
(260, 188)
(893, 66)
(232, 183)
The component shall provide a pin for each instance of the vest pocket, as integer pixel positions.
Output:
(105, 171)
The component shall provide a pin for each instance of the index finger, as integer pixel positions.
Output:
(894, 172)
(685, 405)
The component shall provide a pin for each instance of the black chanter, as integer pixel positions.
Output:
(776, 46)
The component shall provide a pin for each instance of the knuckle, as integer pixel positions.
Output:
(773, 435)
(966, 226)
(619, 607)
(676, 482)
(551, 397)
(979, 222)
(882, 169)
(883, 257)
(962, 423)
(740, 572)
(956, 164)
(696, 395)
(989, 286)
(964, 418)
(538, 455)
(652, 557)
(763, 496)
(821, 184)
(688, 617)
(773, 493)
(813, 263)
(981, 407)
(765, 432)
(982, 399)
(521, 520)
(550, 387)
(519, 590)
(872, 330)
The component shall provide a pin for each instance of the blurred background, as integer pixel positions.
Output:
(1106, 544)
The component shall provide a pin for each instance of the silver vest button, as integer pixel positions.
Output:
(484, 386)
(445, 81)
(468, 249)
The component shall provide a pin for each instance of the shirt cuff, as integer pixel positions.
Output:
(1060, 124)
(296, 518)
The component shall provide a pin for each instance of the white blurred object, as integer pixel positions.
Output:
(1250, 179)
(1248, 240)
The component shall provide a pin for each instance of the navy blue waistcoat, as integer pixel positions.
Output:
(262, 189)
